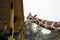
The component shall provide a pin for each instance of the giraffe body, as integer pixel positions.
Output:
(50, 25)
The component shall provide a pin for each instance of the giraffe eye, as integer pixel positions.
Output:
(30, 18)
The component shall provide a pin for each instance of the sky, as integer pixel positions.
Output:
(45, 9)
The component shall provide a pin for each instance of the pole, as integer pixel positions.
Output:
(11, 20)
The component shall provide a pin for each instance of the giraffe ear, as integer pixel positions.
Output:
(29, 13)
(35, 15)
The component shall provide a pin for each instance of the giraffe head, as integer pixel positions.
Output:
(30, 18)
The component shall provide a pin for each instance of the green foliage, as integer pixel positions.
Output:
(38, 35)
(38, 32)
(52, 36)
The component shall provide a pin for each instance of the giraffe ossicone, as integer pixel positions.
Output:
(50, 25)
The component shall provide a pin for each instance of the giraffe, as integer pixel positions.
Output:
(50, 25)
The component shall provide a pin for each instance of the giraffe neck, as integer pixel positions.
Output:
(50, 25)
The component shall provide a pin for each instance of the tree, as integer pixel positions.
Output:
(28, 32)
